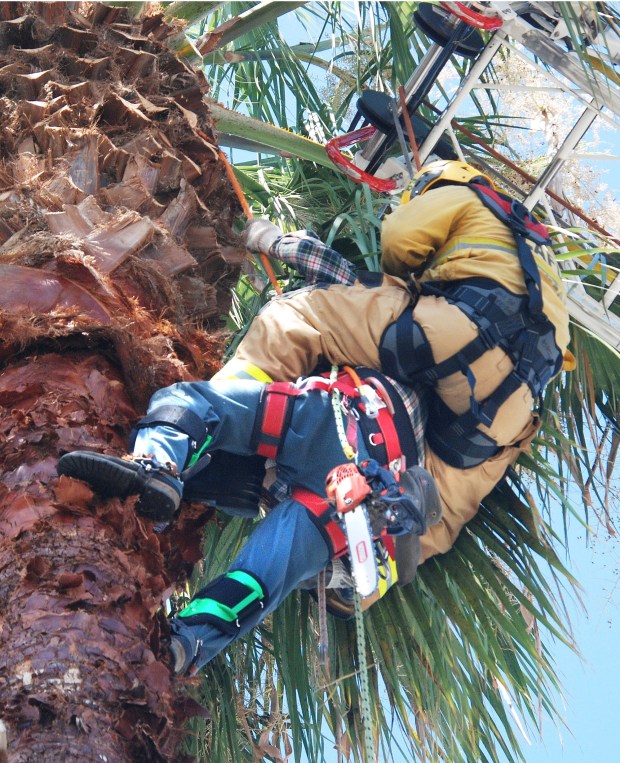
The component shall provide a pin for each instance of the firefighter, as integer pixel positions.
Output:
(470, 304)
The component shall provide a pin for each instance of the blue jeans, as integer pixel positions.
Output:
(286, 547)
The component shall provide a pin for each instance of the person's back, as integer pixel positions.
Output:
(452, 236)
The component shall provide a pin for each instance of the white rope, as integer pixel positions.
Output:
(369, 747)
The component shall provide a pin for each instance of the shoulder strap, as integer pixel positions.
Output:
(523, 226)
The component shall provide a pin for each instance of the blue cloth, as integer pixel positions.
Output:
(286, 548)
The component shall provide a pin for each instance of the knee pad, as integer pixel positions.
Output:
(227, 602)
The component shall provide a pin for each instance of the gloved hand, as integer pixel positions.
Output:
(259, 234)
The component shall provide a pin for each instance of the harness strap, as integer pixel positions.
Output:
(380, 431)
(523, 226)
(185, 421)
(450, 429)
(322, 515)
(179, 418)
(227, 602)
(273, 417)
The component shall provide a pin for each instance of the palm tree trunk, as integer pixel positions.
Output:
(116, 259)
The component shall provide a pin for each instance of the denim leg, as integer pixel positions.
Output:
(284, 549)
(228, 409)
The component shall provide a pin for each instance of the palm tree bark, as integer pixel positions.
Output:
(116, 259)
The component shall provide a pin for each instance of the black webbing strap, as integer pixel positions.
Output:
(227, 602)
(177, 417)
(519, 219)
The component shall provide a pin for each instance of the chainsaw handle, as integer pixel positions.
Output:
(472, 17)
(333, 146)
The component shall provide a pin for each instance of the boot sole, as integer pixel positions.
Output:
(114, 477)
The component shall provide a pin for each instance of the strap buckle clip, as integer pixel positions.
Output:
(371, 400)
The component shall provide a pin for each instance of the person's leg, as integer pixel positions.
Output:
(182, 421)
(284, 549)
(337, 324)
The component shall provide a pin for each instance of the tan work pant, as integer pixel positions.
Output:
(344, 325)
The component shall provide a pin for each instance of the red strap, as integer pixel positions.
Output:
(390, 435)
(321, 509)
(501, 206)
(275, 409)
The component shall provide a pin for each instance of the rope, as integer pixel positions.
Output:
(347, 449)
(323, 637)
(369, 747)
(249, 214)
(350, 453)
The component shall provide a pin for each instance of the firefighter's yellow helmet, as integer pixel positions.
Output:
(446, 171)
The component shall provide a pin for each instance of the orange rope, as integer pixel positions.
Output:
(409, 126)
(249, 214)
(356, 379)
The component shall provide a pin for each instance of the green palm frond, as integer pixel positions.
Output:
(440, 649)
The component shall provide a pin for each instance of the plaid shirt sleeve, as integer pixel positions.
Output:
(305, 252)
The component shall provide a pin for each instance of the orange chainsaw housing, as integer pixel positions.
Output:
(346, 487)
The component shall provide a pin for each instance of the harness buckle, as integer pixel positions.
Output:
(485, 333)
(397, 465)
(519, 218)
(371, 401)
(510, 325)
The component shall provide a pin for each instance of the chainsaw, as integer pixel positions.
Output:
(369, 504)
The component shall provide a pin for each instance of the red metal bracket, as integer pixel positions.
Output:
(472, 17)
(333, 148)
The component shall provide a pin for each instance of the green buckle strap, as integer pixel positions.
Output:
(226, 602)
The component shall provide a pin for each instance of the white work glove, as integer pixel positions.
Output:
(259, 234)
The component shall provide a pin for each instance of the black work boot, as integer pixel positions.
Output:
(160, 491)
(183, 648)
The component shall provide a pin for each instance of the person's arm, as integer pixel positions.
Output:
(302, 250)
(416, 231)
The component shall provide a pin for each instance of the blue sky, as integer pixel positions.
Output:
(591, 685)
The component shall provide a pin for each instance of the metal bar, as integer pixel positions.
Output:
(502, 87)
(603, 324)
(440, 60)
(401, 140)
(578, 95)
(476, 70)
(428, 60)
(538, 44)
(526, 176)
(612, 292)
(580, 128)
